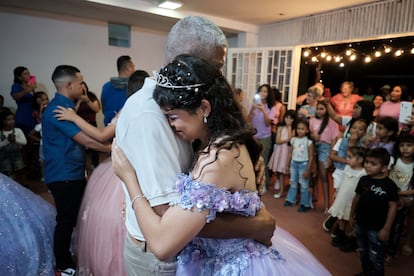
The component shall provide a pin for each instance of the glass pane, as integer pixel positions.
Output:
(287, 78)
(282, 64)
(119, 35)
(289, 59)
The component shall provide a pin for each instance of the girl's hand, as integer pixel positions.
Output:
(121, 165)
(67, 114)
(306, 174)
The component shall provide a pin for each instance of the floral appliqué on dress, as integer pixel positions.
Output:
(220, 256)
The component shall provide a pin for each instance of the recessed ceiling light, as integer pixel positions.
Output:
(171, 5)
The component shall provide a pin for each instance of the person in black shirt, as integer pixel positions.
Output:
(373, 210)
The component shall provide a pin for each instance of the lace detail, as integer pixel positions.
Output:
(220, 256)
(208, 197)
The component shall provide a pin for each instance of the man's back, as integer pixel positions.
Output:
(114, 95)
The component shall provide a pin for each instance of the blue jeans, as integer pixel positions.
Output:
(371, 251)
(296, 177)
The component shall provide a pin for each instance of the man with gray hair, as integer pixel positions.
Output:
(158, 155)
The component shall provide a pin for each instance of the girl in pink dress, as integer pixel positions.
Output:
(278, 162)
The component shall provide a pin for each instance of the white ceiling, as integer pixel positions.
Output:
(232, 15)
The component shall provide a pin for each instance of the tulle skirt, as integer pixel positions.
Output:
(27, 224)
(101, 229)
(289, 257)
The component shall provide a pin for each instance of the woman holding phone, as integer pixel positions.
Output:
(392, 107)
(22, 91)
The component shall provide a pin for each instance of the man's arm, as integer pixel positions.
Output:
(90, 143)
(226, 226)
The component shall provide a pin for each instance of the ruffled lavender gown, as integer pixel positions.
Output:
(27, 224)
(227, 257)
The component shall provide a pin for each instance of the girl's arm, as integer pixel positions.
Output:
(282, 112)
(99, 134)
(166, 235)
(309, 166)
(266, 117)
(20, 138)
(279, 139)
(337, 118)
(334, 157)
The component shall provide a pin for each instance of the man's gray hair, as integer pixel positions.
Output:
(196, 36)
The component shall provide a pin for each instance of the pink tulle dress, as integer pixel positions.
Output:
(100, 228)
(278, 161)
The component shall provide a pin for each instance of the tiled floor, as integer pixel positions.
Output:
(307, 227)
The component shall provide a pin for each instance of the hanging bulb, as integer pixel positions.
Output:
(341, 64)
(367, 59)
(306, 53)
(348, 52)
(328, 58)
(314, 59)
(387, 49)
(377, 53)
(353, 57)
(337, 59)
(412, 51)
(323, 55)
(399, 52)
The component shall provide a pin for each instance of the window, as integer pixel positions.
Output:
(119, 35)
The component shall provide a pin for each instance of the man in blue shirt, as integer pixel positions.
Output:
(114, 92)
(64, 171)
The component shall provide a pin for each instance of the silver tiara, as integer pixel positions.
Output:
(163, 81)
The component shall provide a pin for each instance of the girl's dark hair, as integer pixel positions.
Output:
(325, 119)
(391, 124)
(226, 120)
(306, 123)
(277, 94)
(86, 86)
(379, 95)
(405, 96)
(289, 113)
(270, 99)
(3, 115)
(367, 112)
(17, 72)
(37, 95)
(404, 138)
(358, 152)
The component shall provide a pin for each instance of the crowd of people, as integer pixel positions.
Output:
(345, 137)
(202, 213)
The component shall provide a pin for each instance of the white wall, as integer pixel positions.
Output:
(40, 42)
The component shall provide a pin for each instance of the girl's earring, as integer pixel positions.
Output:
(205, 119)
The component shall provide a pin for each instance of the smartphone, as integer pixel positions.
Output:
(406, 110)
(257, 99)
(32, 79)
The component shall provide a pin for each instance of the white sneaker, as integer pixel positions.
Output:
(279, 195)
(277, 185)
(66, 272)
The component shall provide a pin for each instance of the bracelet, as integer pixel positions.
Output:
(134, 199)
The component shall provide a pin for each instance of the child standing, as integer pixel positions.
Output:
(401, 173)
(338, 152)
(373, 209)
(278, 162)
(341, 207)
(323, 131)
(11, 141)
(385, 134)
(300, 157)
(338, 156)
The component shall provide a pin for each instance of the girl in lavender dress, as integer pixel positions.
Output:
(199, 105)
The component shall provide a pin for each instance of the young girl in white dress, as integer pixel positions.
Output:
(341, 207)
(278, 162)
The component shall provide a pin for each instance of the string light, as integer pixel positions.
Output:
(352, 53)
